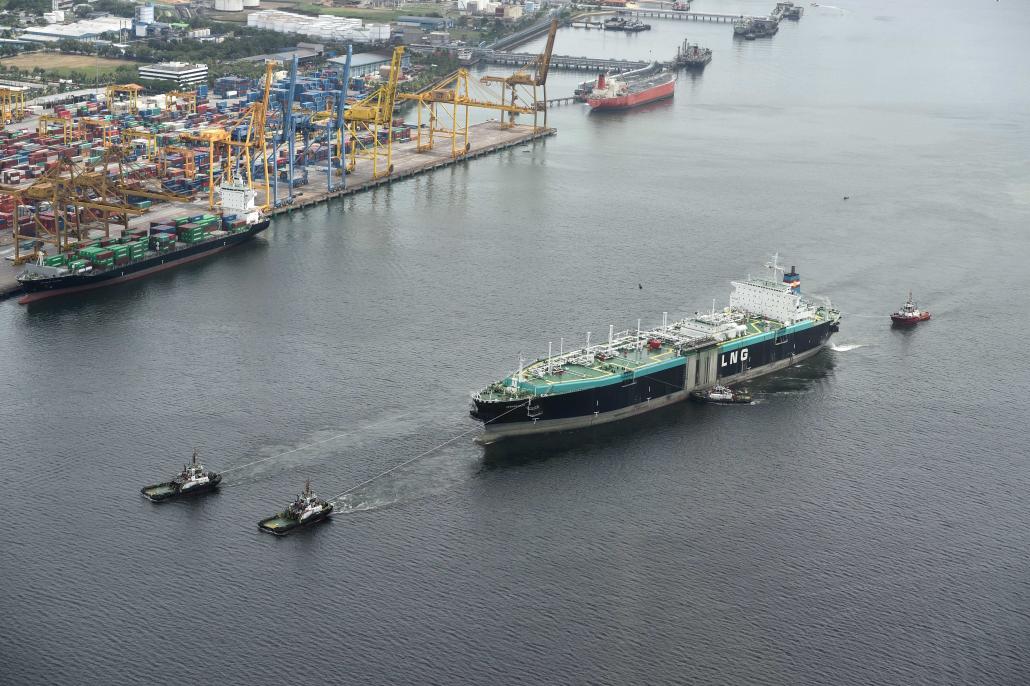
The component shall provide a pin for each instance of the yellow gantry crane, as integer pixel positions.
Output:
(446, 104)
(101, 125)
(68, 132)
(78, 197)
(187, 98)
(538, 78)
(131, 90)
(366, 120)
(12, 104)
(232, 152)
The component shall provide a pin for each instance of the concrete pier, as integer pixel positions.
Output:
(484, 139)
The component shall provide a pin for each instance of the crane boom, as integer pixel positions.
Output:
(543, 65)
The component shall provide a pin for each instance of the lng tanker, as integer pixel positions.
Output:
(768, 326)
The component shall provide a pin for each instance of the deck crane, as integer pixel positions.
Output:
(541, 66)
(367, 119)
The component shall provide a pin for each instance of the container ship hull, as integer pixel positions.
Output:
(39, 289)
(635, 395)
(659, 92)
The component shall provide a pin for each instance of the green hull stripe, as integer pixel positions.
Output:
(570, 386)
(760, 337)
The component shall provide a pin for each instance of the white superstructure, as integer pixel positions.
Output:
(239, 199)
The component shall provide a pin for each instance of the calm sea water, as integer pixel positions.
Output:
(866, 522)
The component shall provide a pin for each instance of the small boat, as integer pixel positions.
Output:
(306, 509)
(909, 314)
(192, 480)
(722, 395)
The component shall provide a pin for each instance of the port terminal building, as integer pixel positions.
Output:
(181, 73)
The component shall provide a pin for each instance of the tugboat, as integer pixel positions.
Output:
(909, 314)
(190, 481)
(722, 395)
(692, 55)
(308, 508)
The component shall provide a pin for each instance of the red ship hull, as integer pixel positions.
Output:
(902, 320)
(659, 92)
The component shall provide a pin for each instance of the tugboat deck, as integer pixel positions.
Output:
(158, 491)
(277, 525)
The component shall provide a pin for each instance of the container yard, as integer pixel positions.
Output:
(113, 181)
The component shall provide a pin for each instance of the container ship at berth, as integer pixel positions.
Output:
(768, 326)
(144, 251)
(632, 88)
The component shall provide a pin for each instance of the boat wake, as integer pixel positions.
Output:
(344, 507)
(846, 347)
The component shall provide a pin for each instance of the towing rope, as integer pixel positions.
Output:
(310, 445)
(421, 455)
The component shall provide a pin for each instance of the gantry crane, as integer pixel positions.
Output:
(132, 90)
(12, 104)
(78, 196)
(68, 132)
(367, 118)
(188, 98)
(447, 104)
(235, 151)
(538, 78)
(102, 125)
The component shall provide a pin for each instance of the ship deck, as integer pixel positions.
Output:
(586, 367)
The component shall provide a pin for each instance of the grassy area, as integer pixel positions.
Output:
(62, 66)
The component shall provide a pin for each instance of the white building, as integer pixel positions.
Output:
(87, 30)
(324, 26)
(181, 73)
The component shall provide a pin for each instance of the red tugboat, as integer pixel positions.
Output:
(909, 314)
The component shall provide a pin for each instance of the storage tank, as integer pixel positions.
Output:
(228, 5)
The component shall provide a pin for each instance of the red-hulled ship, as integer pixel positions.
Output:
(632, 88)
(909, 314)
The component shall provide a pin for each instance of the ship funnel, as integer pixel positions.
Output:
(794, 279)
(601, 82)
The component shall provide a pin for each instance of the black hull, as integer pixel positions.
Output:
(173, 495)
(645, 393)
(37, 289)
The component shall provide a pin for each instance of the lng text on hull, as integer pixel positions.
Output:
(767, 326)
